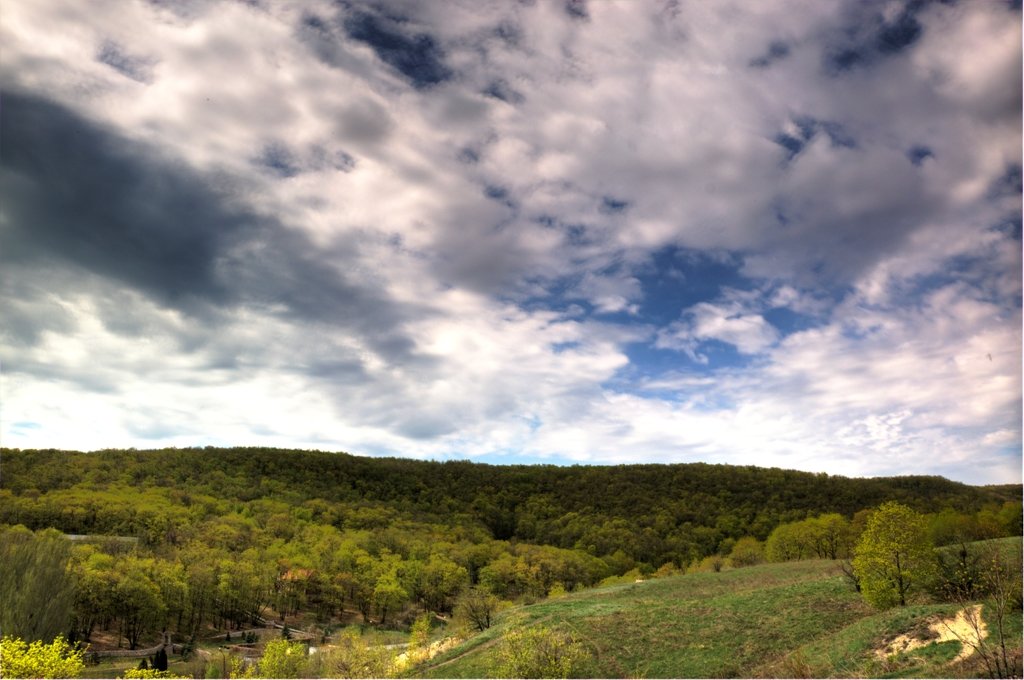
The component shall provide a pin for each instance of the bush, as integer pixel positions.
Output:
(355, 657)
(747, 552)
(713, 563)
(283, 659)
(20, 659)
(147, 673)
(539, 652)
(958, 575)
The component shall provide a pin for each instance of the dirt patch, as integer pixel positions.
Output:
(967, 628)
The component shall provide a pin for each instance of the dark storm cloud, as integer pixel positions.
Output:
(76, 194)
(80, 194)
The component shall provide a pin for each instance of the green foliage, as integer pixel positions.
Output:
(894, 555)
(712, 563)
(827, 536)
(539, 652)
(57, 659)
(658, 513)
(188, 540)
(355, 657)
(747, 552)
(36, 591)
(160, 660)
(788, 542)
(283, 659)
(419, 635)
(148, 673)
(727, 624)
(476, 608)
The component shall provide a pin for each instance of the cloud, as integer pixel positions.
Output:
(570, 231)
(82, 198)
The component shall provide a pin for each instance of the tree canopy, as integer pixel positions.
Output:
(894, 555)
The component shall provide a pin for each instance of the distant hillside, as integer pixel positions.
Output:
(653, 513)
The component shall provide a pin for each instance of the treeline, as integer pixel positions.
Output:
(652, 513)
(229, 536)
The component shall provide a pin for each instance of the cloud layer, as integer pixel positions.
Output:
(779, 234)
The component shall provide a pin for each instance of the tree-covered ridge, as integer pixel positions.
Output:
(545, 504)
(208, 543)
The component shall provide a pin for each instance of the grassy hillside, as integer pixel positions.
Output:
(778, 620)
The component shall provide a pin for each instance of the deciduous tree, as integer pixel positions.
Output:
(476, 607)
(893, 556)
(35, 588)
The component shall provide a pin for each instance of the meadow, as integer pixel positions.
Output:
(796, 619)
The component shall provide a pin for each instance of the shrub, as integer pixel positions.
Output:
(355, 657)
(283, 659)
(539, 652)
(747, 552)
(148, 673)
(20, 659)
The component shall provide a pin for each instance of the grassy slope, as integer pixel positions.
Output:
(777, 620)
(700, 625)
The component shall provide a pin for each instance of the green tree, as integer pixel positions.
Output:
(138, 601)
(160, 660)
(539, 652)
(283, 659)
(57, 659)
(440, 580)
(36, 589)
(388, 595)
(787, 542)
(893, 556)
(419, 635)
(475, 608)
(747, 552)
(830, 534)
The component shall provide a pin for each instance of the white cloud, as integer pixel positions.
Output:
(642, 128)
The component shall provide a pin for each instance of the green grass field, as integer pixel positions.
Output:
(798, 619)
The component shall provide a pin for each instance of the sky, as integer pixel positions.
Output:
(781, 233)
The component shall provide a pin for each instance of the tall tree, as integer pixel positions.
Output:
(35, 587)
(894, 555)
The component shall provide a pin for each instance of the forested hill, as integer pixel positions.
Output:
(596, 506)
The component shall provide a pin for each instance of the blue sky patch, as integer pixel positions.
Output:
(675, 279)
(418, 57)
(918, 154)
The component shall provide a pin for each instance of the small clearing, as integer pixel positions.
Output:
(967, 628)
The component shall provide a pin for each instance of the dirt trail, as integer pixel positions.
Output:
(967, 628)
